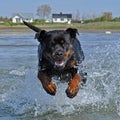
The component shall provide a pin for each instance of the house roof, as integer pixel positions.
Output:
(61, 15)
(24, 15)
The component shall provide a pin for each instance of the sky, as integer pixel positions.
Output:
(85, 7)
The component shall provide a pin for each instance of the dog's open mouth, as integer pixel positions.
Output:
(59, 63)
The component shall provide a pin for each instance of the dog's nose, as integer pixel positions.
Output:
(59, 53)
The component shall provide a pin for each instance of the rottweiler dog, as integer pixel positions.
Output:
(59, 54)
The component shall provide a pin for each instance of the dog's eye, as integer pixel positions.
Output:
(53, 42)
(62, 41)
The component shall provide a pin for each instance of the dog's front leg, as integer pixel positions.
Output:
(73, 86)
(47, 83)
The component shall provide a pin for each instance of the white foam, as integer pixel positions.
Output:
(19, 72)
(16, 72)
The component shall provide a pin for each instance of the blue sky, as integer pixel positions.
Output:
(85, 7)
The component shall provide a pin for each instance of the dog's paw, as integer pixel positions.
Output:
(73, 87)
(50, 88)
(72, 91)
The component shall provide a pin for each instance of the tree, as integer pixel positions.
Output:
(44, 11)
(77, 16)
(107, 16)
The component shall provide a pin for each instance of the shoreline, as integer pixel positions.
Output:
(15, 30)
(26, 30)
(93, 27)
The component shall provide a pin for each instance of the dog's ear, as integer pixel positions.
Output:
(40, 35)
(72, 32)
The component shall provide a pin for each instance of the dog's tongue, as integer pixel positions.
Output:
(59, 63)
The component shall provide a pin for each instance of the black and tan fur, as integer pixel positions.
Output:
(57, 56)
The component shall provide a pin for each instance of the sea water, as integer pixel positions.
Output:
(23, 98)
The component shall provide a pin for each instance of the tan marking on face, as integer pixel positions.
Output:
(62, 41)
(68, 54)
(71, 63)
(53, 42)
(71, 46)
(53, 54)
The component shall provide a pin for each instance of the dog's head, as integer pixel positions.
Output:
(57, 48)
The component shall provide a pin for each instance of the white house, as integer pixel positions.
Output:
(62, 18)
(19, 17)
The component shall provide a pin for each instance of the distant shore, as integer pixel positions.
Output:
(28, 31)
(15, 30)
(91, 27)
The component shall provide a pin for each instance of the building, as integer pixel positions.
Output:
(19, 17)
(62, 18)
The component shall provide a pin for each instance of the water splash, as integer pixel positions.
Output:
(22, 93)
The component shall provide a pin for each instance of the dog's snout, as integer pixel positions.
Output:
(59, 53)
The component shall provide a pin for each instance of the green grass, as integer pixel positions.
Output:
(104, 25)
(86, 26)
